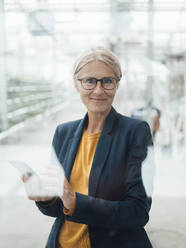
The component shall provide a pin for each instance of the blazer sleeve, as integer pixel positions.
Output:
(132, 210)
(52, 208)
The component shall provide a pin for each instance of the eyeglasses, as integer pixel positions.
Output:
(107, 83)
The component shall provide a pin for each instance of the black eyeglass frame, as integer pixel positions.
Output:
(100, 80)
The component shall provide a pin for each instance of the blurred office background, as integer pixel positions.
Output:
(39, 41)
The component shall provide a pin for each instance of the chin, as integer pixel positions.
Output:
(99, 109)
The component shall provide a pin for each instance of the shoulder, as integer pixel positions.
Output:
(131, 123)
(63, 134)
(68, 126)
(134, 129)
(66, 130)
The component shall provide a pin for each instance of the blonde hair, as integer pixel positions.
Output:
(101, 54)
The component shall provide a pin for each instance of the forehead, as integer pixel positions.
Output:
(96, 69)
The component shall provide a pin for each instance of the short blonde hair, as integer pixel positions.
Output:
(101, 54)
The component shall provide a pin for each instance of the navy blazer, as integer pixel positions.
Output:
(116, 207)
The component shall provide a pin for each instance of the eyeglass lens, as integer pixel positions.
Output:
(106, 83)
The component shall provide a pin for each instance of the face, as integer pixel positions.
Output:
(97, 100)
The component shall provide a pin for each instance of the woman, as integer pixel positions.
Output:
(104, 203)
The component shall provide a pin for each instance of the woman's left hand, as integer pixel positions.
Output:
(68, 194)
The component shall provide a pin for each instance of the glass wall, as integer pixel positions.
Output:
(39, 42)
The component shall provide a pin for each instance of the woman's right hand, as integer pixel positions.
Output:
(45, 186)
(33, 186)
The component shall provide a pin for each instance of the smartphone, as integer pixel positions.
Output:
(22, 167)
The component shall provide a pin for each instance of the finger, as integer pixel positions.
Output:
(51, 192)
(48, 172)
(53, 170)
(34, 198)
(38, 199)
(26, 176)
(33, 186)
(48, 181)
(51, 189)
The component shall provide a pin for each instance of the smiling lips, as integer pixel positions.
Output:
(97, 99)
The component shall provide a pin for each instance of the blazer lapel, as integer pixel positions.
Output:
(101, 152)
(73, 147)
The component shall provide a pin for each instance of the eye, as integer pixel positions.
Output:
(107, 80)
(90, 81)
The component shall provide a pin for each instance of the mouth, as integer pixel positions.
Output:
(97, 99)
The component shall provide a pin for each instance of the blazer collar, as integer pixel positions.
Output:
(109, 121)
(101, 152)
(107, 127)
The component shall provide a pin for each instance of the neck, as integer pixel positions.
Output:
(96, 121)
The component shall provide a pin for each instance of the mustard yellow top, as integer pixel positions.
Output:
(75, 234)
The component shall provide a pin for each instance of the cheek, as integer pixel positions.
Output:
(111, 95)
(84, 96)
(84, 93)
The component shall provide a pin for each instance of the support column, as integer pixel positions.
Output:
(150, 55)
(3, 83)
(184, 114)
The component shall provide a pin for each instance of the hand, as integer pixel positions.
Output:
(46, 185)
(68, 194)
(32, 185)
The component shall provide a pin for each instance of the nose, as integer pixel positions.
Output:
(98, 89)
